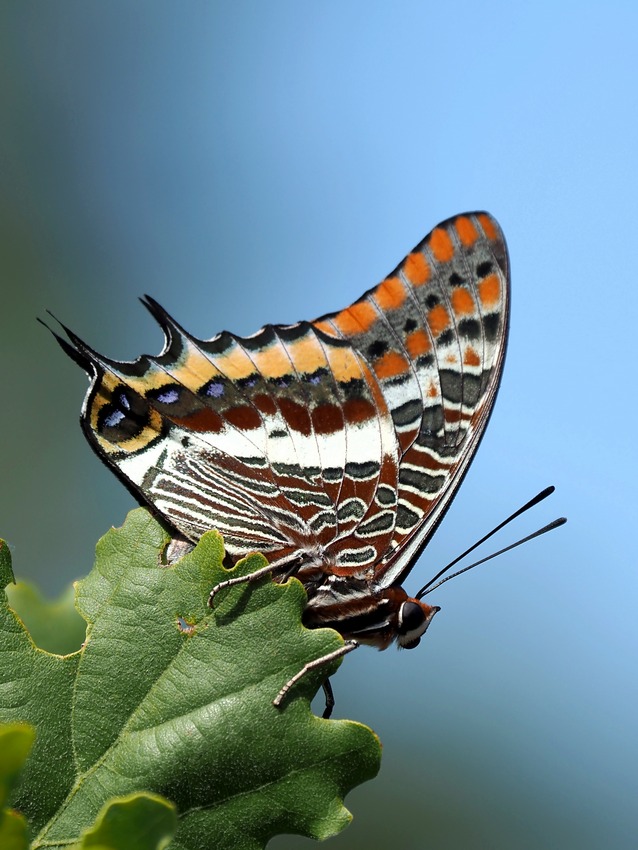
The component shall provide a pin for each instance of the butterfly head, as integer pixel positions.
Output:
(376, 617)
(413, 619)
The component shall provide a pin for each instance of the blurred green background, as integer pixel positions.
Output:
(253, 162)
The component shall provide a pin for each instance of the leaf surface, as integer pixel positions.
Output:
(170, 698)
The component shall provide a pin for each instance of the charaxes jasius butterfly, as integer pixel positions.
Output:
(334, 446)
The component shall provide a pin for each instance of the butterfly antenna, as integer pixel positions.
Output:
(532, 502)
(555, 524)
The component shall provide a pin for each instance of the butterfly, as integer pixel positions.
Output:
(335, 446)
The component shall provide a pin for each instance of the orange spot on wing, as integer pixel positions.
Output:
(272, 362)
(433, 391)
(390, 294)
(344, 364)
(357, 318)
(195, 369)
(490, 291)
(392, 363)
(416, 269)
(346, 323)
(417, 343)
(438, 319)
(235, 364)
(326, 326)
(471, 358)
(307, 354)
(110, 382)
(462, 301)
(488, 225)
(441, 245)
(466, 230)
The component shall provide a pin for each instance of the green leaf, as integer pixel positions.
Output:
(16, 740)
(13, 832)
(136, 822)
(53, 625)
(37, 688)
(6, 573)
(171, 698)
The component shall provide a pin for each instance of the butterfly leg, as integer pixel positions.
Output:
(254, 576)
(330, 699)
(231, 582)
(348, 646)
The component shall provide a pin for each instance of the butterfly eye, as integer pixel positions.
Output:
(412, 624)
(411, 616)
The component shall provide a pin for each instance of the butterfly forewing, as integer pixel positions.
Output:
(434, 333)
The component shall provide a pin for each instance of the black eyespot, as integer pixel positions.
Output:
(412, 645)
(412, 618)
(214, 388)
(174, 401)
(166, 395)
(377, 348)
(124, 417)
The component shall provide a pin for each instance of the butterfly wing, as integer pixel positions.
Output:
(343, 439)
(434, 333)
(279, 440)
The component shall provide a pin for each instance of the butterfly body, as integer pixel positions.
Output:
(333, 446)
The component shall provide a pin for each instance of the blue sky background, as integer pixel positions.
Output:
(246, 163)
